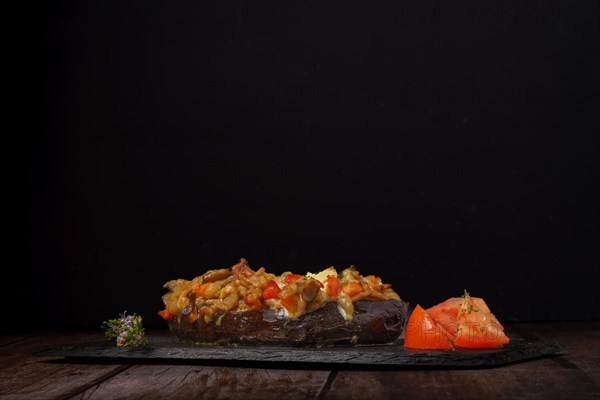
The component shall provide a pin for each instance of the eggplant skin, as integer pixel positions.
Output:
(373, 322)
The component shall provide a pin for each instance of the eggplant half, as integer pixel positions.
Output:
(373, 322)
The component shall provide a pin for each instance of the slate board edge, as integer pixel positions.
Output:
(520, 351)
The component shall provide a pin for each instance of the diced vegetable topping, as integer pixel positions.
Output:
(291, 278)
(271, 290)
(333, 286)
(291, 303)
(165, 314)
(351, 289)
(240, 288)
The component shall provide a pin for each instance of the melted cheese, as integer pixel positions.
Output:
(323, 275)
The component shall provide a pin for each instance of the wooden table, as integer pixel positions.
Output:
(573, 374)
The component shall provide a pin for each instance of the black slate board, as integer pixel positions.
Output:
(165, 349)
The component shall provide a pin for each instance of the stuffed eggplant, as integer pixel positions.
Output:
(238, 305)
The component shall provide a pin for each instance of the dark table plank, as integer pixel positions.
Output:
(24, 376)
(581, 341)
(209, 382)
(532, 380)
(10, 338)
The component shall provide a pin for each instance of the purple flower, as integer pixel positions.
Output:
(126, 330)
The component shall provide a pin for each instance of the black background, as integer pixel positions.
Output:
(439, 145)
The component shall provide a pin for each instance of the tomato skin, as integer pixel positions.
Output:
(164, 314)
(271, 290)
(333, 286)
(291, 278)
(423, 333)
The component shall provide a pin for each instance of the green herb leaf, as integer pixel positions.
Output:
(126, 330)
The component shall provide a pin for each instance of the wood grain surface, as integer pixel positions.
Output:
(573, 374)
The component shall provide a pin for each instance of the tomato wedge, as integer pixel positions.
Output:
(465, 321)
(477, 327)
(423, 333)
(446, 312)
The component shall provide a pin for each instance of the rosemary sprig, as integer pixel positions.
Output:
(126, 330)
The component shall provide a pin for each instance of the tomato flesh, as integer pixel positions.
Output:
(164, 314)
(333, 286)
(445, 313)
(291, 278)
(271, 290)
(422, 332)
(351, 289)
